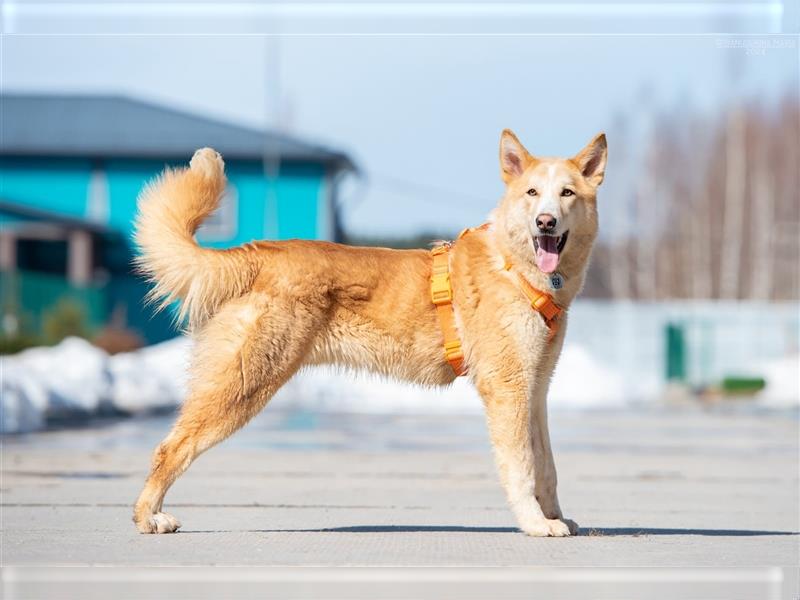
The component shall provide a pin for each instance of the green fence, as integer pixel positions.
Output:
(28, 297)
(675, 352)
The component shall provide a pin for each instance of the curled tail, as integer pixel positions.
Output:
(171, 208)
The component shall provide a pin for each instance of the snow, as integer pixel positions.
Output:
(783, 382)
(49, 382)
(580, 381)
(75, 378)
(149, 379)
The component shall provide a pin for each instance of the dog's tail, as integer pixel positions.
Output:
(171, 208)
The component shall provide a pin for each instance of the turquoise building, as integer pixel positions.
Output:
(71, 168)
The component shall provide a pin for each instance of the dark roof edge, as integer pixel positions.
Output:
(332, 157)
(46, 215)
(338, 161)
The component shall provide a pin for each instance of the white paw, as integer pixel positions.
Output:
(558, 528)
(549, 528)
(158, 523)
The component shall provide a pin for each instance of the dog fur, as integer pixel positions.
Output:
(263, 310)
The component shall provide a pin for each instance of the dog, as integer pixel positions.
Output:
(262, 311)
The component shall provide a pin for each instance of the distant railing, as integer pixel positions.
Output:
(700, 343)
(28, 297)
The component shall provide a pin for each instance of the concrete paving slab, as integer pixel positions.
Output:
(680, 489)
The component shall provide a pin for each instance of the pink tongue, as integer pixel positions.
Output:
(547, 254)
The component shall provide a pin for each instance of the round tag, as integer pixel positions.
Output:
(556, 281)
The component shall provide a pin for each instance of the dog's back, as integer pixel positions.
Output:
(367, 304)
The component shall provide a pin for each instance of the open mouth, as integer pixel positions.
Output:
(548, 250)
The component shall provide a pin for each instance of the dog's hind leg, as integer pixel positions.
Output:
(242, 357)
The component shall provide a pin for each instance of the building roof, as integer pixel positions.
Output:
(28, 217)
(116, 127)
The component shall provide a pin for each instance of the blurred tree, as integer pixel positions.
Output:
(66, 318)
(716, 212)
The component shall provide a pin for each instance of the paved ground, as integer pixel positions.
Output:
(670, 488)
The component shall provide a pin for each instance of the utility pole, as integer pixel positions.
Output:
(764, 210)
(733, 214)
(699, 268)
(272, 152)
(735, 182)
(646, 263)
(619, 260)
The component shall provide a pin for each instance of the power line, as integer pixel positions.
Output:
(398, 183)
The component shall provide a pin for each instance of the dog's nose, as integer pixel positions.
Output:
(546, 223)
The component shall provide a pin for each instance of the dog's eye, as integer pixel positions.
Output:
(566, 193)
(532, 192)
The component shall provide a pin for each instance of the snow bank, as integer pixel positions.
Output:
(75, 378)
(783, 382)
(150, 378)
(581, 382)
(43, 383)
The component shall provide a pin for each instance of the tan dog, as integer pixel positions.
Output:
(262, 311)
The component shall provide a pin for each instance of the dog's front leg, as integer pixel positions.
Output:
(546, 479)
(508, 409)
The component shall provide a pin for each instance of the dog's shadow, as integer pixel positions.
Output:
(584, 531)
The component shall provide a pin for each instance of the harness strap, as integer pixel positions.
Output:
(541, 302)
(442, 298)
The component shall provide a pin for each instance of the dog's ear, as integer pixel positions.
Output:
(592, 160)
(514, 158)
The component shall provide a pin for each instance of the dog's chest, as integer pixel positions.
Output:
(525, 331)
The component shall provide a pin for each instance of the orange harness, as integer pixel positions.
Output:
(442, 298)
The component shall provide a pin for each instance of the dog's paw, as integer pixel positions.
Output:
(558, 528)
(549, 528)
(157, 523)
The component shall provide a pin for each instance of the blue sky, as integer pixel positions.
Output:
(421, 114)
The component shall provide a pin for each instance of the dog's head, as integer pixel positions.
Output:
(548, 216)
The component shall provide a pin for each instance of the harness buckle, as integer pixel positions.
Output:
(547, 307)
(441, 291)
(454, 354)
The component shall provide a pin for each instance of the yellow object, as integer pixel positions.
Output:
(442, 297)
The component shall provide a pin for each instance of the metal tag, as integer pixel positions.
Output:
(556, 281)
